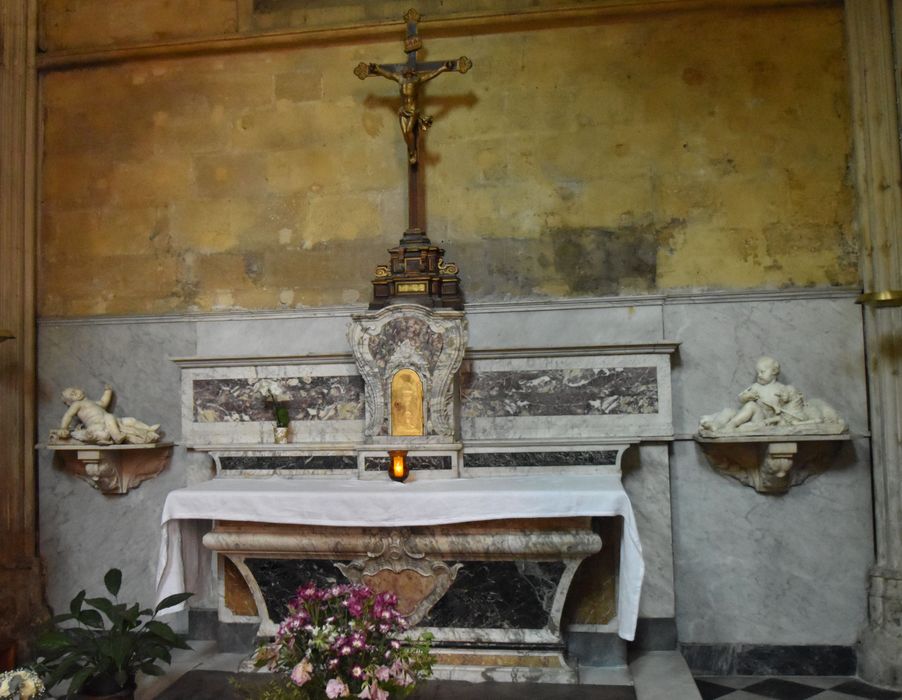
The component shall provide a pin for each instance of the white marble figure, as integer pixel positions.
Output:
(770, 407)
(96, 426)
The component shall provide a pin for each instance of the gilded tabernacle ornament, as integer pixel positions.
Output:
(416, 274)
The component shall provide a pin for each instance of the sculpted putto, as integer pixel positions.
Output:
(94, 425)
(770, 407)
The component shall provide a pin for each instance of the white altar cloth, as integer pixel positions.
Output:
(360, 503)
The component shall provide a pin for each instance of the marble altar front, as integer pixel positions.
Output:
(519, 450)
(480, 563)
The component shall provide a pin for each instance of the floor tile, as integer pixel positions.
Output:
(780, 689)
(860, 689)
(737, 682)
(817, 681)
(712, 690)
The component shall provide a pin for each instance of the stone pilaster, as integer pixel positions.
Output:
(20, 572)
(872, 64)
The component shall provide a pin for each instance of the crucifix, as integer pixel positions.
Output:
(417, 272)
(410, 75)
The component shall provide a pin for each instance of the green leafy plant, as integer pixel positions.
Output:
(102, 657)
(282, 419)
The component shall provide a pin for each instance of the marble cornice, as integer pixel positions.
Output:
(665, 347)
(475, 308)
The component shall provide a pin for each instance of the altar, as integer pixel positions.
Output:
(528, 508)
(484, 537)
(484, 565)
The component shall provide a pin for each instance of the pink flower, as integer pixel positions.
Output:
(300, 674)
(373, 692)
(382, 673)
(336, 688)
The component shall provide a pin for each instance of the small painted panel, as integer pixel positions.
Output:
(598, 391)
(498, 595)
(312, 398)
(267, 462)
(407, 403)
(481, 460)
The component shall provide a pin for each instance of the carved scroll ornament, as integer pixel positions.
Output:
(418, 581)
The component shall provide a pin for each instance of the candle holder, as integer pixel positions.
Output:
(398, 469)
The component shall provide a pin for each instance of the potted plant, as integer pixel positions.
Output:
(275, 394)
(102, 658)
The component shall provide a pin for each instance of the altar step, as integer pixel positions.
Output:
(204, 674)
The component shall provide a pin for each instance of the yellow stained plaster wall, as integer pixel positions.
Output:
(702, 149)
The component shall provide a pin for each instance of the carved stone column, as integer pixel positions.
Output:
(872, 64)
(20, 572)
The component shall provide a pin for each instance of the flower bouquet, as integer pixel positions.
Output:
(344, 641)
(21, 684)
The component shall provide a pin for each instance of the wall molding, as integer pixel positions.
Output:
(471, 23)
(476, 308)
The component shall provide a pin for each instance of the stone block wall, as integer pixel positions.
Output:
(598, 155)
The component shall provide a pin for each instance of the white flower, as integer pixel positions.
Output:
(336, 688)
(28, 685)
(271, 389)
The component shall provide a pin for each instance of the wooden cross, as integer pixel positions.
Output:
(410, 76)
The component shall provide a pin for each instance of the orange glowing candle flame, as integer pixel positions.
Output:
(398, 468)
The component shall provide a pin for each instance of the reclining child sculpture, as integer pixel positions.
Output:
(771, 407)
(97, 425)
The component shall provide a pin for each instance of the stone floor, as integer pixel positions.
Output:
(205, 674)
(790, 688)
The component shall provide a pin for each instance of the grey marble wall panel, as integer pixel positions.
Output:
(498, 595)
(308, 398)
(562, 392)
(323, 331)
(298, 462)
(646, 478)
(318, 332)
(82, 531)
(563, 323)
(414, 462)
(783, 570)
(543, 396)
(489, 460)
(818, 343)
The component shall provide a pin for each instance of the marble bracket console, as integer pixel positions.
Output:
(114, 469)
(771, 464)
